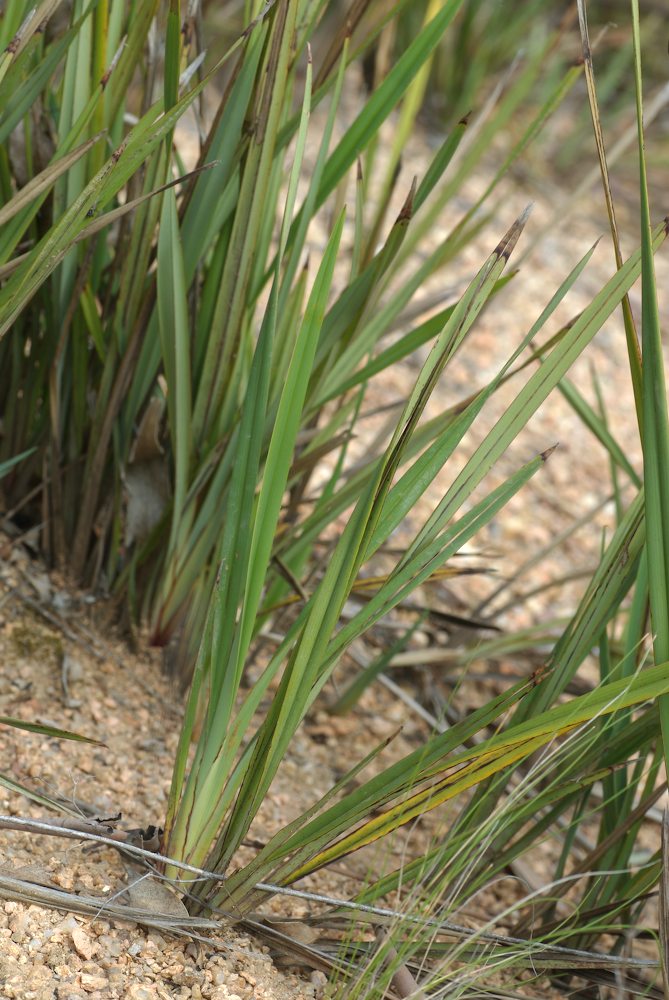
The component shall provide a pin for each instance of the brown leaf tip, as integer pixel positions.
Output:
(545, 455)
(506, 245)
(407, 208)
(465, 119)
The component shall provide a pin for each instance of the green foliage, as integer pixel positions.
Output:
(123, 326)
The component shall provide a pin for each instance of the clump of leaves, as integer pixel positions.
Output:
(181, 372)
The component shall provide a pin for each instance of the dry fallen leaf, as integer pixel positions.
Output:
(149, 893)
(35, 874)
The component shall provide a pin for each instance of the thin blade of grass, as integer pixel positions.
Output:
(630, 330)
(655, 420)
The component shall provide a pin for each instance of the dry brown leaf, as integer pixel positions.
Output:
(149, 893)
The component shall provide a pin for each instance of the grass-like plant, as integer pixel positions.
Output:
(179, 360)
